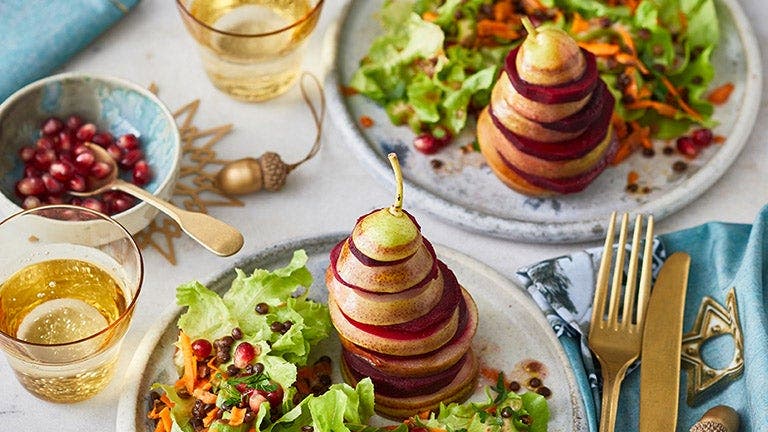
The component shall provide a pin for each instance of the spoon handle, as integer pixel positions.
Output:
(215, 235)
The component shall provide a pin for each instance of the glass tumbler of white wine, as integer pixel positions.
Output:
(69, 279)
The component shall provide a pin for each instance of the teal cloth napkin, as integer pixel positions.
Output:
(38, 36)
(723, 256)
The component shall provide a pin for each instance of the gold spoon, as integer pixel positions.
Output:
(215, 235)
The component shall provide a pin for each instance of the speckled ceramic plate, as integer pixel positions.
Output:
(465, 192)
(512, 331)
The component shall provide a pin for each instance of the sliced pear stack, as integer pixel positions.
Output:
(403, 318)
(548, 128)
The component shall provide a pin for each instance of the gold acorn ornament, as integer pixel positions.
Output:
(268, 171)
(718, 419)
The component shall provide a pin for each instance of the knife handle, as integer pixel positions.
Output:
(718, 419)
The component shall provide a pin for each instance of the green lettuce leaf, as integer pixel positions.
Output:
(181, 410)
(207, 316)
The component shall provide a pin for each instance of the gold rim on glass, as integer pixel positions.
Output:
(128, 309)
(296, 23)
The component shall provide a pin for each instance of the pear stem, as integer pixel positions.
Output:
(529, 27)
(396, 209)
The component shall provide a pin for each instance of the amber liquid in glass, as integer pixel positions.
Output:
(56, 302)
(248, 67)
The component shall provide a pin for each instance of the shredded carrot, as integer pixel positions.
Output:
(502, 30)
(601, 49)
(629, 59)
(348, 91)
(718, 139)
(664, 109)
(633, 177)
(683, 21)
(165, 419)
(238, 415)
(628, 145)
(619, 125)
(366, 121)
(205, 396)
(164, 399)
(503, 11)
(429, 16)
(190, 362)
(684, 106)
(721, 94)
(210, 417)
(579, 24)
(626, 39)
(160, 427)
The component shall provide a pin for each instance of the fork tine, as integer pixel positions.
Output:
(645, 275)
(618, 270)
(631, 288)
(601, 287)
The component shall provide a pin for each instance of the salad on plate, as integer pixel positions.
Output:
(247, 362)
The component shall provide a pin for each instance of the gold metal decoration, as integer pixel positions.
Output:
(195, 186)
(712, 320)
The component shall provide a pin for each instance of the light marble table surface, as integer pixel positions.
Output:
(325, 195)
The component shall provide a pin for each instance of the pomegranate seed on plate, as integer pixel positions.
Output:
(131, 157)
(52, 185)
(52, 126)
(702, 137)
(77, 183)
(141, 173)
(100, 170)
(427, 143)
(86, 132)
(687, 147)
(115, 152)
(31, 186)
(31, 202)
(26, 153)
(128, 142)
(74, 122)
(61, 171)
(201, 348)
(104, 139)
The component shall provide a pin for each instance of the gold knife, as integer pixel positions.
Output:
(662, 338)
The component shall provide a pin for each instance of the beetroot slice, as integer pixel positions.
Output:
(568, 184)
(586, 116)
(563, 150)
(396, 386)
(427, 324)
(336, 251)
(568, 92)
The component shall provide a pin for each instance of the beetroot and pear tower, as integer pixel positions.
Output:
(402, 316)
(548, 127)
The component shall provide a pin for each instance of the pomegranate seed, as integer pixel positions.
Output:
(31, 202)
(257, 398)
(128, 142)
(702, 137)
(45, 143)
(275, 397)
(201, 348)
(52, 126)
(66, 141)
(100, 170)
(26, 153)
(442, 135)
(52, 185)
(115, 152)
(687, 147)
(131, 157)
(61, 171)
(74, 122)
(80, 148)
(43, 159)
(120, 203)
(77, 183)
(32, 171)
(94, 204)
(141, 173)
(104, 139)
(427, 143)
(76, 201)
(86, 132)
(245, 353)
(54, 199)
(31, 186)
(84, 161)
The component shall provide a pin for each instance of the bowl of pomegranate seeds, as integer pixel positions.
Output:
(44, 129)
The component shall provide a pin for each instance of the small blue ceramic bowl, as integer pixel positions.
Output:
(114, 105)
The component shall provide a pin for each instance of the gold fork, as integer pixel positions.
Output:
(615, 337)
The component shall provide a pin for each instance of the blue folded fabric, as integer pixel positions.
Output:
(723, 256)
(38, 36)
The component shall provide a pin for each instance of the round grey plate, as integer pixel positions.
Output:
(512, 330)
(464, 191)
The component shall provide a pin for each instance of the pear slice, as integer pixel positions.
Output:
(549, 56)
